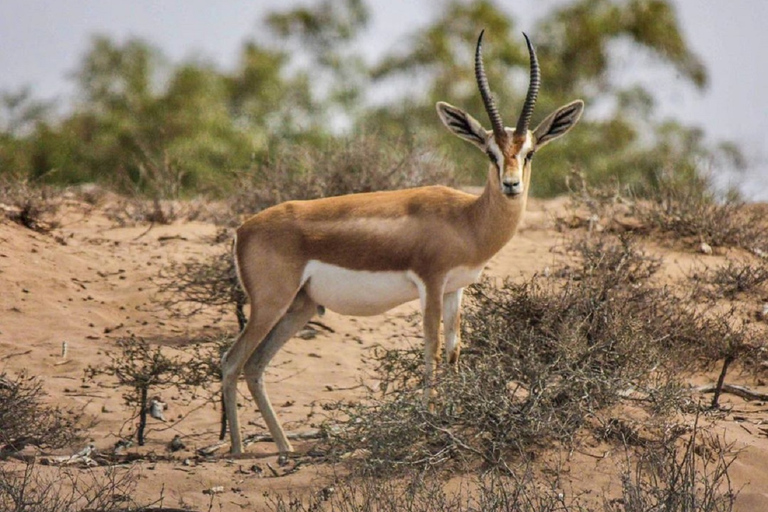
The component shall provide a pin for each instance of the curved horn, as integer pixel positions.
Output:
(485, 91)
(533, 92)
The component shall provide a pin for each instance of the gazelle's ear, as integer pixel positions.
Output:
(557, 123)
(462, 125)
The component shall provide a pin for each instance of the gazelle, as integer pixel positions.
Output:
(363, 254)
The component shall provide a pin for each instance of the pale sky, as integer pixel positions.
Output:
(42, 41)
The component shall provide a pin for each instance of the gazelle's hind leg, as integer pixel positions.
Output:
(269, 303)
(301, 310)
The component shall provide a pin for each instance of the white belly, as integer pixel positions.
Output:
(365, 293)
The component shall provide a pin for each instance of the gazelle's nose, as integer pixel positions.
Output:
(511, 186)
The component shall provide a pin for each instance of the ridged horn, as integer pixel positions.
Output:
(533, 91)
(485, 91)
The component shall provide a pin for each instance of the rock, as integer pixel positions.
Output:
(156, 408)
(176, 444)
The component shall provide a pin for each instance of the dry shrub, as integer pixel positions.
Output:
(737, 278)
(143, 370)
(359, 164)
(690, 210)
(427, 493)
(27, 203)
(685, 470)
(544, 359)
(685, 209)
(188, 287)
(26, 420)
(32, 488)
(678, 475)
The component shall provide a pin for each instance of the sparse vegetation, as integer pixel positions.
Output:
(735, 279)
(546, 359)
(597, 349)
(682, 471)
(189, 287)
(679, 474)
(688, 210)
(362, 163)
(26, 420)
(144, 369)
(30, 204)
(683, 210)
(30, 487)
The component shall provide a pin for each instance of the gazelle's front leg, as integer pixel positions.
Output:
(432, 306)
(451, 325)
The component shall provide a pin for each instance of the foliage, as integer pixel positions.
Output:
(147, 125)
(577, 43)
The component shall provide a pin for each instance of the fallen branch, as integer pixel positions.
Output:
(739, 391)
(81, 457)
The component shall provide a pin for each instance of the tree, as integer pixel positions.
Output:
(577, 44)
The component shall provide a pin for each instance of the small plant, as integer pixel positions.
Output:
(26, 420)
(144, 369)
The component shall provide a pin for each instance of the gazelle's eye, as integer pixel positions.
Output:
(493, 158)
(529, 156)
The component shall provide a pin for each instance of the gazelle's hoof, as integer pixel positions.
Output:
(282, 459)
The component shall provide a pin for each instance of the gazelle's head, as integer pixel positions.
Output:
(510, 150)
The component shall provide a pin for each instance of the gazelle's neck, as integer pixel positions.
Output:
(497, 216)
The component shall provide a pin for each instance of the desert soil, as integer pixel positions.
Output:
(90, 282)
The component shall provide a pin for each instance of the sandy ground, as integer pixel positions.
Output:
(90, 282)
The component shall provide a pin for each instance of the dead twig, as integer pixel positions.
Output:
(739, 391)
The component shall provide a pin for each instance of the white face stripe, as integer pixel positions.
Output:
(519, 159)
(494, 150)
